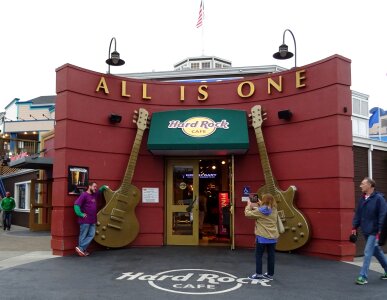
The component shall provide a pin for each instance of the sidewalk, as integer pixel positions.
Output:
(21, 246)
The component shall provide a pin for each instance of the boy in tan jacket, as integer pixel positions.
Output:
(265, 214)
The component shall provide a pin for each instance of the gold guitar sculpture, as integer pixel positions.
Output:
(297, 231)
(117, 224)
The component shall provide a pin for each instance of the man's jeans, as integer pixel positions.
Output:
(7, 219)
(86, 235)
(372, 248)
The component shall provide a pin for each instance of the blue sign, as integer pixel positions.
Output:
(246, 191)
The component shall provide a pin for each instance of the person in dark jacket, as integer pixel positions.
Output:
(369, 216)
(383, 234)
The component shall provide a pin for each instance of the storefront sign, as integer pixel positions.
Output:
(208, 131)
(244, 89)
(193, 281)
(224, 214)
(198, 126)
(150, 195)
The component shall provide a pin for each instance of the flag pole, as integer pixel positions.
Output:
(203, 39)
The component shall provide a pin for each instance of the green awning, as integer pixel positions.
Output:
(198, 132)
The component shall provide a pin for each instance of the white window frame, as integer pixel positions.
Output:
(28, 188)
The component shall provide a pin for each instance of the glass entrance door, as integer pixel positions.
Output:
(182, 202)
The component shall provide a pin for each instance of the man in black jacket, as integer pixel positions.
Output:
(383, 234)
(369, 216)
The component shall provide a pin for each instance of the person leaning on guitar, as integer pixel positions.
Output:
(265, 214)
(85, 208)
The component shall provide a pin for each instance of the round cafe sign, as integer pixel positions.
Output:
(198, 126)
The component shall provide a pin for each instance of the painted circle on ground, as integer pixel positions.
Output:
(195, 282)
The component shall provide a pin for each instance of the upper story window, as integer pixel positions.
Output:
(218, 65)
(360, 107)
(195, 66)
(206, 65)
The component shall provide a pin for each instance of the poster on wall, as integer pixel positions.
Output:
(150, 195)
(78, 180)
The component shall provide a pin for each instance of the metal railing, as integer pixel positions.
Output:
(10, 147)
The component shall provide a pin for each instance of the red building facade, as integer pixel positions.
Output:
(312, 151)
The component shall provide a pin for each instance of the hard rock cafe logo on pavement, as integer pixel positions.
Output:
(198, 126)
(193, 281)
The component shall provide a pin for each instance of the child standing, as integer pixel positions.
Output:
(265, 214)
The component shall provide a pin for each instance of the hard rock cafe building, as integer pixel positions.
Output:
(179, 170)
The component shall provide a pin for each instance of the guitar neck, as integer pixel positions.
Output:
(128, 177)
(269, 179)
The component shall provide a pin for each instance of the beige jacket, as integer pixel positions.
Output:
(265, 226)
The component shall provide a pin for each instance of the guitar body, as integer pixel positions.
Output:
(297, 231)
(117, 224)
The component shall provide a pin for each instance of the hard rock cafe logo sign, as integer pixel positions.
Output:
(198, 126)
(193, 281)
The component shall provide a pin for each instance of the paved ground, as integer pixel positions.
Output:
(29, 271)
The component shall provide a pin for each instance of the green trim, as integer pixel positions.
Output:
(169, 131)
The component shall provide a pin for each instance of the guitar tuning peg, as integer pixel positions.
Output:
(135, 111)
(249, 115)
(264, 119)
(134, 121)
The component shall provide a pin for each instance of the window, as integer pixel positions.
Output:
(360, 107)
(359, 127)
(195, 66)
(218, 65)
(22, 195)
(356, 106)
(206, 65)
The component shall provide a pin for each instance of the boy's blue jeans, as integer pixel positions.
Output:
(372, 249)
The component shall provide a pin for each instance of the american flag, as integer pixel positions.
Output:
(201, 15)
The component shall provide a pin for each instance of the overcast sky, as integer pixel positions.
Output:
(152, 35)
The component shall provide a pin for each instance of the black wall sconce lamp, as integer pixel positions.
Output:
(283, 52)
(114, 57)
(285, 115)
(115, 119)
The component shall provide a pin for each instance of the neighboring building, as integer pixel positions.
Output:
(202, 62)
(378, 124)
(23, 124)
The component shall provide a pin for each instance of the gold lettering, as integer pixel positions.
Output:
(123, 89)
(271, 82)
(202, 91)
(182, 93)
(102, 85)
(144, 92)
(300, 77)
(251, 87)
